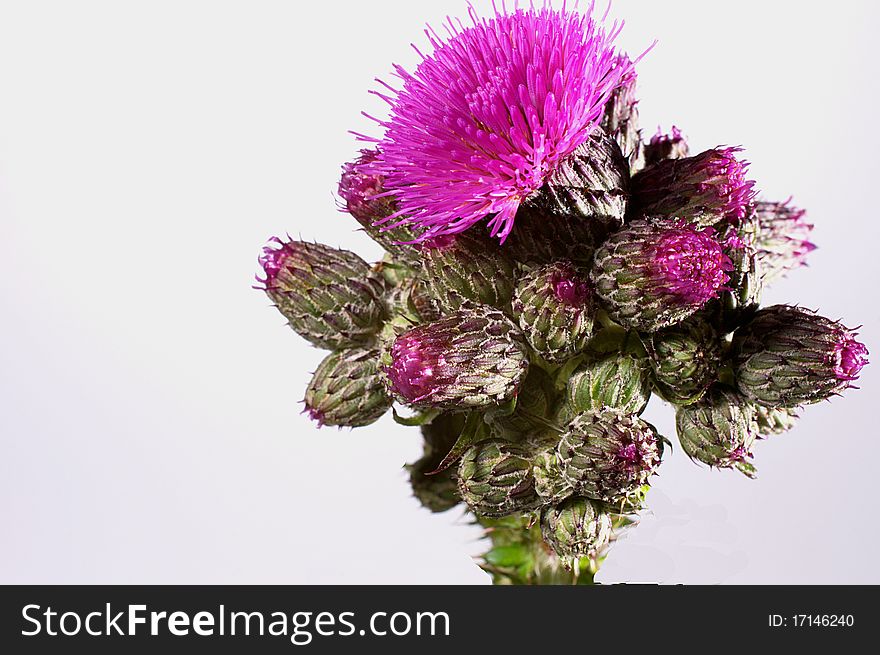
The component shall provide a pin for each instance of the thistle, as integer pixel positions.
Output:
(718, 430)
(554, 307)
(330, 297)
(782, 240)
(347, 389)
(666, 146)
(607, 455)
(621, 117)
(653, 274)
(473, 358)
(495, 479)
(706, 189)
(576, 528)
(616, 380)
(788, 356)
(685, 360)
(774, 420)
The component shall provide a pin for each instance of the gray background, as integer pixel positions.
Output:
(149, 397)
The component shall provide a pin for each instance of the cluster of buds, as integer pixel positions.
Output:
(546, 271)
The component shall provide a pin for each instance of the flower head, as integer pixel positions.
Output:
(848, 356)
(690, 264)
(488, 116)
(666, 146)
(782, 240)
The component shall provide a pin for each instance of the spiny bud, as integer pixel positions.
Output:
(666, 146)
(467, 267)
(782, 240)
(705, 189)
(685, 359)
(608, 456)
(654, 274)
(788, 356)
(617, 380)
(495, 479)
(774, 420)
(347, 389)
(718, 430)
(591, 184)
(473, 358)
(742, 295)
(330, 297)
(363, 194)
(621, 118)
(554, 307)
(540, 237)
(575, 528)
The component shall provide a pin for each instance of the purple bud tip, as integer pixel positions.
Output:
(273, 258)
(439, 242)
(487, 117)
(660, 137)
(727, 181)
(570, 289)
(849, 357)
(359, 185)
(690, 264)
(315, 414)
(414, 369)
(738, 454)
(630, 454)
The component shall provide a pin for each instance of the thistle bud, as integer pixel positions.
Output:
(591, 184)
(742, 295)
(621, 118)
(666, 146)
(651, 275)
(363, 194)
(685, 359)
(718, 430)
(534, 401)
(705, 190)
(473, 358)
(774, 420)
(330, 297)
(550, 484)
(554, 307)
(347, 389)
(495, 479)
(617, 380)
(608, 456)
(467, 267)
(782, 240)
(575, 528)
(539, 237)
(788, 356)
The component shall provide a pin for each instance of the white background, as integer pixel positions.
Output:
(149, 397)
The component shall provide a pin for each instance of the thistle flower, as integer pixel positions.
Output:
(495, 479)
(473, 358)
(577, 527)
(705, 190)
(718, 430)
(788, 356)
(330, 297)
(466, 267)
(685, 359)
(621, 118)
(666, 146)
(362, 191)
(347, 390)
(617, 380)
(652, 274)
(554, 307)
(782, 241)
(607, 455)
(490, 114)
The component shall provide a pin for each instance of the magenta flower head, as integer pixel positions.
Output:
(489, 115)
(788, 356)
(782, 239)
(705, 189)
(473, 358)
(653, 274)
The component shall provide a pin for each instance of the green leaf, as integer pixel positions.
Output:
(415, 419)
(475, 429)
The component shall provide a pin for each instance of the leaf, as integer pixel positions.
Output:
(475, 429)
(415, 419)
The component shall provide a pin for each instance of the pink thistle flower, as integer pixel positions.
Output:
(486, 119)
(666, 146)
(782, 242)
(848, 357)
(690, 264)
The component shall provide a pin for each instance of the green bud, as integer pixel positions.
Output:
(437, 492)
(495, 479)
(534, 401)
(347, 389)
(718, 430)
(685, 360)
(775, 420)
(608, 456)
(330, 297)
(617, 380)
(576, 528)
